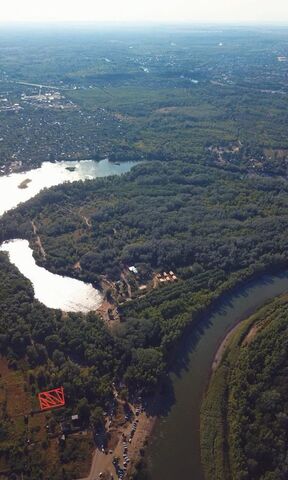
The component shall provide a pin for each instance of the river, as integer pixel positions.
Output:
(52, 290)
(174, 451)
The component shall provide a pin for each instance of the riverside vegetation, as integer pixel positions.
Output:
(244, 414)
(243, 222)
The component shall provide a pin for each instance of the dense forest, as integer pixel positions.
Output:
(205, 116)
(46, 337)
(48, 348)
(244, 414)
(242, 218)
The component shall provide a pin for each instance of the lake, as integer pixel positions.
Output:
(52, 290)
(55, 291)
(51, 174)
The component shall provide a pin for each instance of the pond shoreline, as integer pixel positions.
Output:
(194, 334)
(18, 188)
(18, 166)
(54, 291)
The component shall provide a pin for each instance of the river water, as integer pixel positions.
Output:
(52, 290)
(174, 452)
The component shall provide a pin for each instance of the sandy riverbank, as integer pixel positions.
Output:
(250, 335)
(222, 347)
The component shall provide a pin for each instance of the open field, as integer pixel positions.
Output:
(21, 429)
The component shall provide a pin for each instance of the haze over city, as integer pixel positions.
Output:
(219, 11)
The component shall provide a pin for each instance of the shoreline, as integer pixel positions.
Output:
(251, 332)
(215, 416)
(9, 169)
(223, 345)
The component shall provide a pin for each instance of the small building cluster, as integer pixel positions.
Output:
(70, 426)
(49, 99)
(166, 277)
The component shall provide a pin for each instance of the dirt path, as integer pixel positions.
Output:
(127, 285)
(38, 240)
(252, 333)
(109, 313)
(85, 218)
(253, 330)
(87, 221)
(101, 463)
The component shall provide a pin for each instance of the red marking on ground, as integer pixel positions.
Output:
(52, 398)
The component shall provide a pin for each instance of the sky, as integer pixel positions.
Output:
(203, 11)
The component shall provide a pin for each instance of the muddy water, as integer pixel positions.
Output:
(174, 451)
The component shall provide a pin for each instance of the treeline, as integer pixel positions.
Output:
(29, 329)
(73, 350)
(205, 224)
(175, 216)
(59, 347)
(56, 349)
(244, 415)
(213, 228)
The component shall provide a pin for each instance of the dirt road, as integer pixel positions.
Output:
(102, 462)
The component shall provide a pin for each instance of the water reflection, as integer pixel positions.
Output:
(16, 188)
(54, 291)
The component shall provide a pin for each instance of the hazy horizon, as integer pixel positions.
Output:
(127, 11)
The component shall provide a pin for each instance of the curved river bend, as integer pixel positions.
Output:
(174, 452)
(54, 291)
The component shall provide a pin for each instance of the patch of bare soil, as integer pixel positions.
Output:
(252, 333)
